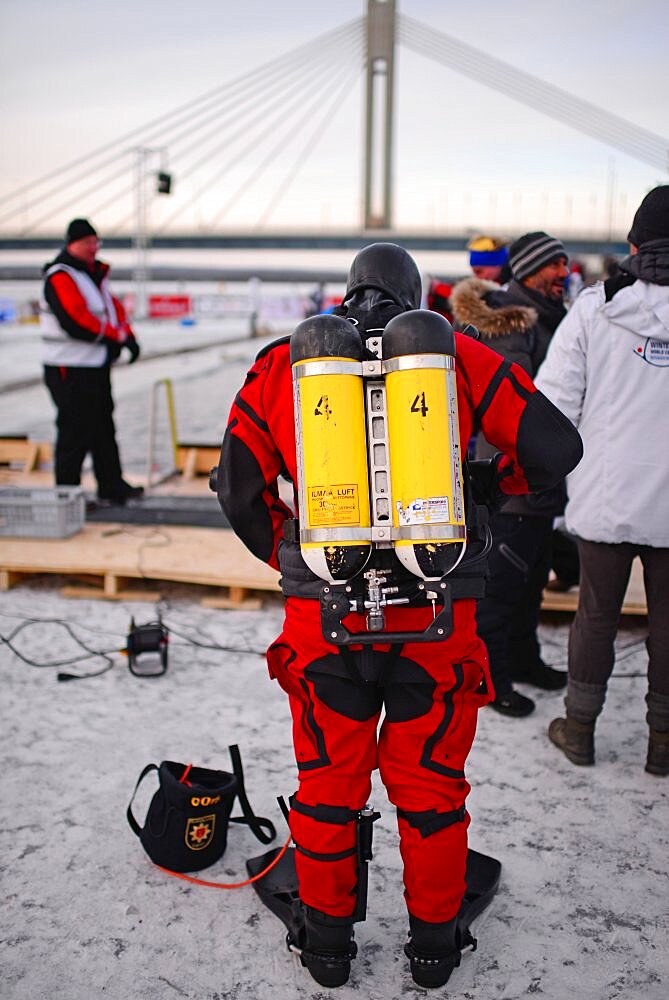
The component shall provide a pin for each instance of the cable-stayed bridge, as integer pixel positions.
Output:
(225, 145)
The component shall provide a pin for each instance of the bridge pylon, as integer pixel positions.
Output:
(379, 114)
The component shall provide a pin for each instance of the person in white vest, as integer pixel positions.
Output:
(607, 369)
(84, 328)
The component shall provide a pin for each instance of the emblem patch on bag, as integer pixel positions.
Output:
(200, 832)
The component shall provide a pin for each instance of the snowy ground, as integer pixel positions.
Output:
(582, 907)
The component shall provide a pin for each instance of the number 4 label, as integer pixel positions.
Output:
(419, 405)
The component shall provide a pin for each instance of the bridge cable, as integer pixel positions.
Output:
(350, 37)
(261, 118)
(304, 66)
(308, 148)
(534, 92)
(502, 76)
(277, 148)
(270, 124)
(333, 36)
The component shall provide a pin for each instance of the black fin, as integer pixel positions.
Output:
(279, 892)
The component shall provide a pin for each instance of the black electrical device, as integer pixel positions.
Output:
(163, 183)
(147, 648)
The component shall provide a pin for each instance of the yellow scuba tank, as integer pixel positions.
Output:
(333, 489)
(428, 528)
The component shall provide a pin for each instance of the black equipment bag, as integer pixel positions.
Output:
(186, 826)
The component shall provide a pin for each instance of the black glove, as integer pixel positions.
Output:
(133, 347)
(484, 478)
(113, 352)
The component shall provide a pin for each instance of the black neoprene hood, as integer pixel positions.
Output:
(388, 268)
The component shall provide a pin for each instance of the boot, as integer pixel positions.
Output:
(514, 703)
(328, 948)
(657, 718)
(121, 493)
(658, 753)
(432, 951)
(575, 739)
(540, 675)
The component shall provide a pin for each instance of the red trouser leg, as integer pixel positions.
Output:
(334, 736)
(430, 722)
(432, 702)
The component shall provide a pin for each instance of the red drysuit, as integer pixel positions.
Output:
(431, 692)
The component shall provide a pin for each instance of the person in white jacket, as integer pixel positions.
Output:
(607, 369)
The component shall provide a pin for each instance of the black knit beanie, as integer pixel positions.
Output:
(533, 251)
(78, 229)
(651, 221)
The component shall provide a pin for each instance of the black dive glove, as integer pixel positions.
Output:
(133, 347)
(484, 477)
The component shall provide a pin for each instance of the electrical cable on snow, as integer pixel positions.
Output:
(621, 654)
(106, 654)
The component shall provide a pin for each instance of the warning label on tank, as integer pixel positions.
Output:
(333, 505)
(431, 510)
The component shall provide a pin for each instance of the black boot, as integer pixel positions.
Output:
(540, 675)
(329, 947)
(121, 493)
(657, 761)
(433, 951)
(657, 718)
(514, 703)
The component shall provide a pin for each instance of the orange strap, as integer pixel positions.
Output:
(229, 885)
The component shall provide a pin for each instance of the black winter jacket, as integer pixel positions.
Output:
(518, 323)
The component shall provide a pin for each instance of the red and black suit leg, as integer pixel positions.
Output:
(335, 718)
(432, 696)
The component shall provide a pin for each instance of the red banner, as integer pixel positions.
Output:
(169, 306)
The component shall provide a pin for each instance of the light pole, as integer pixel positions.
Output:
(141, 239)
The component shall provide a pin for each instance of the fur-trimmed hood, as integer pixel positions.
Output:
(469, 306)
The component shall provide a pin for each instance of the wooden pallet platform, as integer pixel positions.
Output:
(23, 454)
(128, 562)
(197, 459)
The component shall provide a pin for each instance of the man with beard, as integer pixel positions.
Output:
(518, 322)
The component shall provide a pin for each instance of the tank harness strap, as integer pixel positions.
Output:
(339, 815)
(431, 821)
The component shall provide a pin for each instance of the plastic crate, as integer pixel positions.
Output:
(56, 513)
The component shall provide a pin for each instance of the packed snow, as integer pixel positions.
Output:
(582, 906)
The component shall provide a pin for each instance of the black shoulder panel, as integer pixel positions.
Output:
(548, 444)
(240, 487)
(270, 347)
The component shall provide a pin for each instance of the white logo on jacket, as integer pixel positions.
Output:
(654, 352)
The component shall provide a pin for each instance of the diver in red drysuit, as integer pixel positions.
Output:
(431, 692)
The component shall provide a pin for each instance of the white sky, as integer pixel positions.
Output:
(75, 75)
